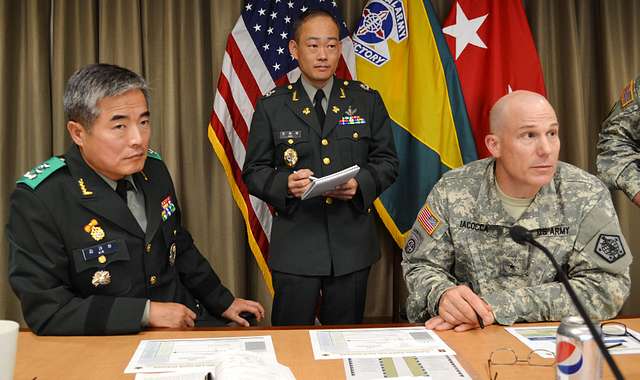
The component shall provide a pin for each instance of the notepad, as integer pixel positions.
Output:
(321, 185)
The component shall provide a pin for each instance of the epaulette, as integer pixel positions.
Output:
(630, 94)
(153, 154)
(357, 85)
(35, 176)
(281, 90)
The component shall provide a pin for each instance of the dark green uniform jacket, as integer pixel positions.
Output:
(309, 237)
(81, 264)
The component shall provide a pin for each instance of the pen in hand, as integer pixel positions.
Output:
(480, 321)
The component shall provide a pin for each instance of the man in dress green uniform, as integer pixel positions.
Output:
(321, 248)
(619, 145)
(96, 240)
(460, 264)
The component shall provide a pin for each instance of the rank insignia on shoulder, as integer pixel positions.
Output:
(270, 92)
(93, 229)
(629, 94)
(610, 247)
(35, 176)
(365, 87)
(168, 208)
(153, 154)
(428, 220)
(101, 277)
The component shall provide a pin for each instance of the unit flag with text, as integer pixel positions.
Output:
(401, 52)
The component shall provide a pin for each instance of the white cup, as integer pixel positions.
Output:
(8, 345)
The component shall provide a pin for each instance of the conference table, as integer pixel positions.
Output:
(105, 357)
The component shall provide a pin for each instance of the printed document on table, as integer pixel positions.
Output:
(194, 355)
(321, 185)
(376, 343)
(443, 367)
(544, 338)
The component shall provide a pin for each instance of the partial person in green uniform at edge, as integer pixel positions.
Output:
(619, 144)
(460, 264)
(322, 248)
(95, 236)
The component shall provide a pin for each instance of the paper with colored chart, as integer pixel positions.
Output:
(544, 338)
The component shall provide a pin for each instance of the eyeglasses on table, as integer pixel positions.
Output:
(507, 356)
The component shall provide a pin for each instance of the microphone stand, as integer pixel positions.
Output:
(521, 235)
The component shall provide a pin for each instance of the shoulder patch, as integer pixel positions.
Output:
(414, 242)
(610, 247)
(630, 93)
(153, 154)
(35, 176)
(428, 220)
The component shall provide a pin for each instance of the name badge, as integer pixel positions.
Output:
(290, 134)
(104, 249)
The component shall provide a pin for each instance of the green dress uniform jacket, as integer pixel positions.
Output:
(461, 236)
(619, 144)
(81, 264)
(321, 236)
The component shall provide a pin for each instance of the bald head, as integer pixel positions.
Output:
(517, 102)
(524, 141)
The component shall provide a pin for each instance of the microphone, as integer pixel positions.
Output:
(522, 236)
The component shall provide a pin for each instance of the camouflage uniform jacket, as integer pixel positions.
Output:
(461, 236)
(619, 145)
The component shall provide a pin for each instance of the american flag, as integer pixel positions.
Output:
(428, 220)
(256, 60)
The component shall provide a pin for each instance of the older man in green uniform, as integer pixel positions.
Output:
(96, 240)
(619, 145)
(321, 248)
(462, 267)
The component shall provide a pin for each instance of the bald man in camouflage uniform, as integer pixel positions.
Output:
(460, 263)
(619, 144)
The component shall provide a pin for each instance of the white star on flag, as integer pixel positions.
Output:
(465, 31)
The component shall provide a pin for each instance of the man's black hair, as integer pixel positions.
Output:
(308, 15)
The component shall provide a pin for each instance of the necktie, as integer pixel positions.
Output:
(317, 100)
(122, 188)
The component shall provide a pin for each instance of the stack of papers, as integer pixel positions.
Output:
(321, 185)
(407, 352)
(544, 338)
(247, 357)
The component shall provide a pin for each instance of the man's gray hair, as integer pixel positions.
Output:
(91, 83)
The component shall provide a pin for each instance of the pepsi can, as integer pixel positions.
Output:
(577, 353)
